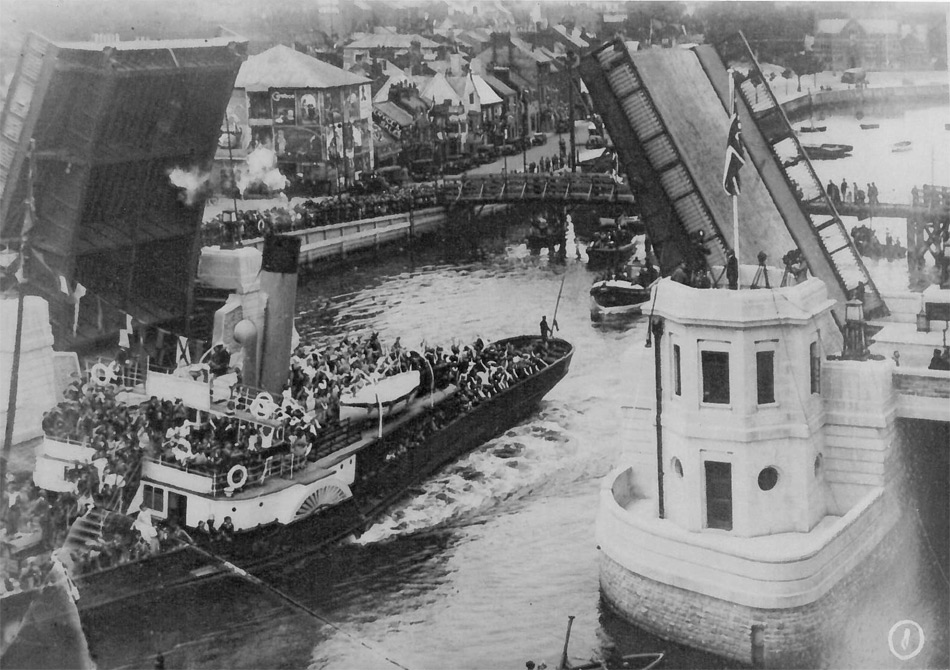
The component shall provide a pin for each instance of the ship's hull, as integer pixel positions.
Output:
(371, 495)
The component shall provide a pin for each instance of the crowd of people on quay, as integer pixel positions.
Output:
(121, 434)
(547, 164)
(250, 224)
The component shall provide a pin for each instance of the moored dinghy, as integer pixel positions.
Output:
(641, 661)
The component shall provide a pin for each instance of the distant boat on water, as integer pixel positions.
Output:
(813, 129)
(870, 126)
(906, 145)
(827, 151)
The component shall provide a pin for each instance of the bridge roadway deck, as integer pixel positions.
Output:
(521, 187)
(881, 209)
(922, 393)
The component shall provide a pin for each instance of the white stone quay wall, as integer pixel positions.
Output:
(337, 240)
(860, 429)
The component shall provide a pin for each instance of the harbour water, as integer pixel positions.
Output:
(481, 567)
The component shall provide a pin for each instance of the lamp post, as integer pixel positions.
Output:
(524, 128)
(855, 344)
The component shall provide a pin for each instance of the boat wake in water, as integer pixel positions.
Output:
(493, 479)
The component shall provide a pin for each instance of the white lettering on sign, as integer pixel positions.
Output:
(276, 96)
(391, 126)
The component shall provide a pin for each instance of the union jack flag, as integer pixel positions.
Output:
(735, 157)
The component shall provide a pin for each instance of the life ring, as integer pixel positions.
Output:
(237, 476)
(101, 374)
(263, 405)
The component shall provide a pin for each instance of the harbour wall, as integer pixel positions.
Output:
(327, 245)
(804, 105)
(798, 637)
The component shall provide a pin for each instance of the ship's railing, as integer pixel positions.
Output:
(284, 464)
(272, 463)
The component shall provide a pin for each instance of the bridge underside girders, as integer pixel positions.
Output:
(658, 209)
(108, 124)
(667, 112)
(522, 187)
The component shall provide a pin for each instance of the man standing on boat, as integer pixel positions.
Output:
(545, 329)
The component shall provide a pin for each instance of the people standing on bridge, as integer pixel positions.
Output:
(855, 190)
(844, 189)
(874, 196)
(833, 192)
(914, 196)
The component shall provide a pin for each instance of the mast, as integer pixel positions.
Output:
(570, 107)
(657, 330)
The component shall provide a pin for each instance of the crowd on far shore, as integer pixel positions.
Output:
(250, 224)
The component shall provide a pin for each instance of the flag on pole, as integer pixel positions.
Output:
(735, 156)
(184, 354)
(77, 294)
(125, 334)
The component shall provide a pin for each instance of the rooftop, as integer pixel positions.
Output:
(283, 67)
(390, 41)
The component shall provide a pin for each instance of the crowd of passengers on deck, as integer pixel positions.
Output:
(121, 434)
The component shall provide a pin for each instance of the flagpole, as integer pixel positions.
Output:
(735, 196)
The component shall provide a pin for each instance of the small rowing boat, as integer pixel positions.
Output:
(813, 129)
(827, 151)
(898, 147)
(641, 661)
(870, 126)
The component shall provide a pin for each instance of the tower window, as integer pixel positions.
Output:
(765, 376)
(768, 478)
(677, 371)
(715, 377)
(815, 368)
